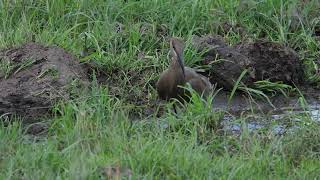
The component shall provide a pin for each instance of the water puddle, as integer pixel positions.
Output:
(258, 115)
(284, 115)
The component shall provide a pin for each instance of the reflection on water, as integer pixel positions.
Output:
(274, 120)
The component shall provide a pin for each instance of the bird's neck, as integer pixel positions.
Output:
(178, 66)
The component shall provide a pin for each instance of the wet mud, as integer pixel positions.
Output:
(279, 115)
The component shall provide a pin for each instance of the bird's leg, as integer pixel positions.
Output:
(175, 108)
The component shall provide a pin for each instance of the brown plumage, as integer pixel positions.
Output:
(178, 75)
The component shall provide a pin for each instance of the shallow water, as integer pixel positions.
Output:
(255, 115)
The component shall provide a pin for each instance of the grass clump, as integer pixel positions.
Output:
(6, 68)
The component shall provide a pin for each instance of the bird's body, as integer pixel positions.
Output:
(198, 82)
(177, 75)
(169, 82)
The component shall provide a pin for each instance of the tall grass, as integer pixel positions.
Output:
(95, 132)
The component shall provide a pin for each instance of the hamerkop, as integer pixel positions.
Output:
(177, 75)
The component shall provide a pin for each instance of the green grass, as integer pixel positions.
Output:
(95, 129)
(5, 68)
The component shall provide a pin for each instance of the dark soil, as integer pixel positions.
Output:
(264, 61)
(39, 77)
(227, 62)
(243, 103)
(273, 61)
(38, 128)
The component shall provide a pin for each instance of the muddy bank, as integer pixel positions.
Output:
(263, 60)
(242, 102)
(280, 115)
(37, 76)
(33, 77)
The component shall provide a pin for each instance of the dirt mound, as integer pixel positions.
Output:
(227, 62)
(273, 61)
(33, 77)
(264, 61)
